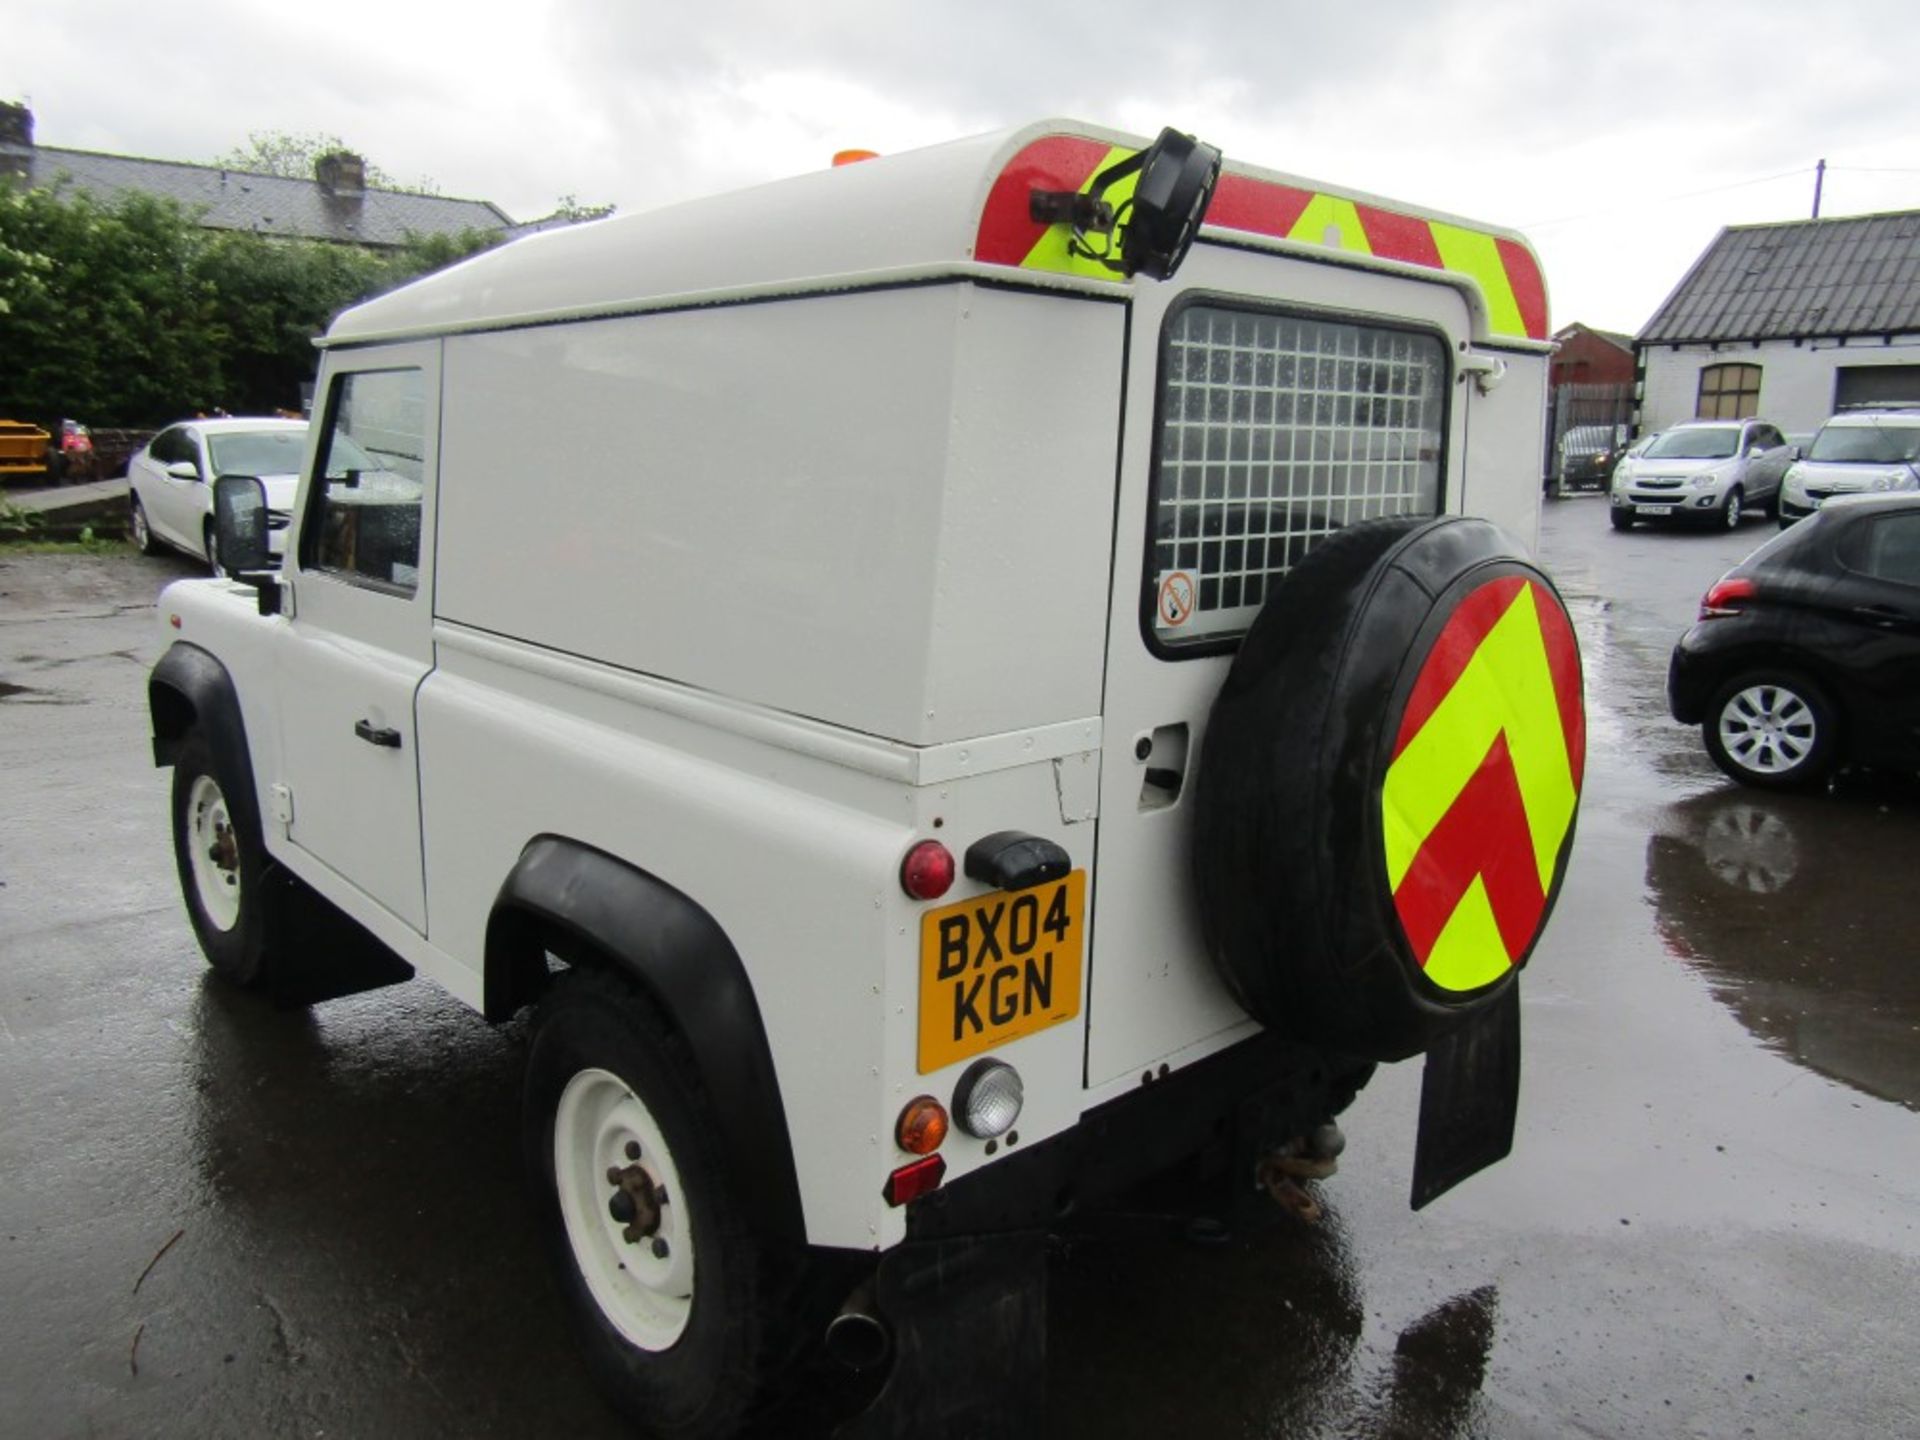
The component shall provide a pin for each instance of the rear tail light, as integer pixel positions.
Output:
(927, 872)
(1724, 598)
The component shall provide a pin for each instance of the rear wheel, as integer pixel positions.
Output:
(138, 528)
(1772, 729)
(687, 1317)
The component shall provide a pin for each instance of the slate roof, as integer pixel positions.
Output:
(269, 204)
(1805, 278)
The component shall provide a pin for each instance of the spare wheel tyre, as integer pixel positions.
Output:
(1388, 784)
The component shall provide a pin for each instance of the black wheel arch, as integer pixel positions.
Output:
(190, 689)
(594, 908)
(1728, 664)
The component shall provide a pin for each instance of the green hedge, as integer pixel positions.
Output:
(130, 313)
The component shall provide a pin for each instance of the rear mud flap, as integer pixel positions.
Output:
(326, 955)
(1468, 1099)
(969, 1326)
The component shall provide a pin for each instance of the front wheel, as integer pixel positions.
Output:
(222, 866)
(212, 548)
(1620, 517)
(1731, 509)
(1772, 729)
(687, 1317)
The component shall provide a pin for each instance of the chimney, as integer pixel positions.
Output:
(16, 142)
(342, 175)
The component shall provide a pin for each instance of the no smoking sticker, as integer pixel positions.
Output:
(1176, 599)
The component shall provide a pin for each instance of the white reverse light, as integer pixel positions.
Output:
(987, 1100)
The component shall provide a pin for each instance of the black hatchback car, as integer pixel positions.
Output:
(1806, 655)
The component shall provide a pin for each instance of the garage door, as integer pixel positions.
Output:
(1876, 385)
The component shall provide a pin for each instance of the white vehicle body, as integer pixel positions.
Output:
(1858, 452)
(843, 549)
(170, 478)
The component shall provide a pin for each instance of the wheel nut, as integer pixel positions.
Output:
(659, 1247)
(620, 1207)
(633, 1149)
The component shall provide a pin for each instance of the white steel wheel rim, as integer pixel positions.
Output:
(645, 1295)
(140, 535)
(214, 851)
(1768, 729)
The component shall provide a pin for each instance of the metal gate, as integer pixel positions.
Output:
(1607, 407)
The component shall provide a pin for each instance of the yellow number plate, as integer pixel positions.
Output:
(998, 967)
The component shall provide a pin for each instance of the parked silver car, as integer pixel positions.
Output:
(1706, 471)
(1859, 451)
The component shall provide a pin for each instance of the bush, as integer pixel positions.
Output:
(129, 313)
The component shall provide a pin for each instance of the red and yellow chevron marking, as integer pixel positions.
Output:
(1480, 795)
(1504, 269)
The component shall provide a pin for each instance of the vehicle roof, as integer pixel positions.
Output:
(227, 424)
(958, 209)
(1875, 417)
(1715, 424)
(1888, 500)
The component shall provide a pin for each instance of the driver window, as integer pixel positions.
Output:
(367, 501)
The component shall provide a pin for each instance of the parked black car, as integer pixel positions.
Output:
(1806, 655)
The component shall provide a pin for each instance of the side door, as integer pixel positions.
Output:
(171, 499)
(1270, 401)
(360, 638)
(1878, 599)
(1770, 466)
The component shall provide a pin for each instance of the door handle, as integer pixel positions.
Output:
(1881, 614)
(385, 735)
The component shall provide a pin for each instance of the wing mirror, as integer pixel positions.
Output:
(240, 536)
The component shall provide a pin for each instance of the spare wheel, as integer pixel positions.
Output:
(1387, 789)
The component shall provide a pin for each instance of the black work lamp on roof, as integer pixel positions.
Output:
(1156, 224)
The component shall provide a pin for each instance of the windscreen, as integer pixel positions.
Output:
(1867, 444)
(258, 452)
(1715, 442)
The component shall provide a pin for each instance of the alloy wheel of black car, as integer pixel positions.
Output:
(1773, 729)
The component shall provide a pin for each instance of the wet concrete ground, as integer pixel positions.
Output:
(1710, 1225)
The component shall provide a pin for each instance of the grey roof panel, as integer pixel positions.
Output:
(1854, 276)
(268, 204)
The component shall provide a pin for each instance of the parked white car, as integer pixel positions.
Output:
(170, 479)
(1710, 471)
(1858, 452)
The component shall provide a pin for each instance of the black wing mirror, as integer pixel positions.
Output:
(240, 536)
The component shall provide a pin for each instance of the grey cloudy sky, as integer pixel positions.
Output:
(1593, 127)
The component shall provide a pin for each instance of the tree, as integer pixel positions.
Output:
(277, 152)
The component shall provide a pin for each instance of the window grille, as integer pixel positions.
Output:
(1276, 431)
(1729, 392)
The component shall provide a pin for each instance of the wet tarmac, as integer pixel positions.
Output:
(217, 1219)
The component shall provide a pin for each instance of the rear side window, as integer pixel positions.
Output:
(366, 518)
(1892, 549)
(1275, 431)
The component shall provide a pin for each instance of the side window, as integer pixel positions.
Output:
(1274, 432)
(365, 519)
(1728, 392)
(171, 445)
(1766, 437)
(1892, 551)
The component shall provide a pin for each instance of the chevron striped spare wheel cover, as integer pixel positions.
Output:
(1389, 785)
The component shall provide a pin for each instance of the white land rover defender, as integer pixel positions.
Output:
(950, 684)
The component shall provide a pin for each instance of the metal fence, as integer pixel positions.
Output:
(1575, 405)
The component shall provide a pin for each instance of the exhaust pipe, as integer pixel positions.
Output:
(857, 1337)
